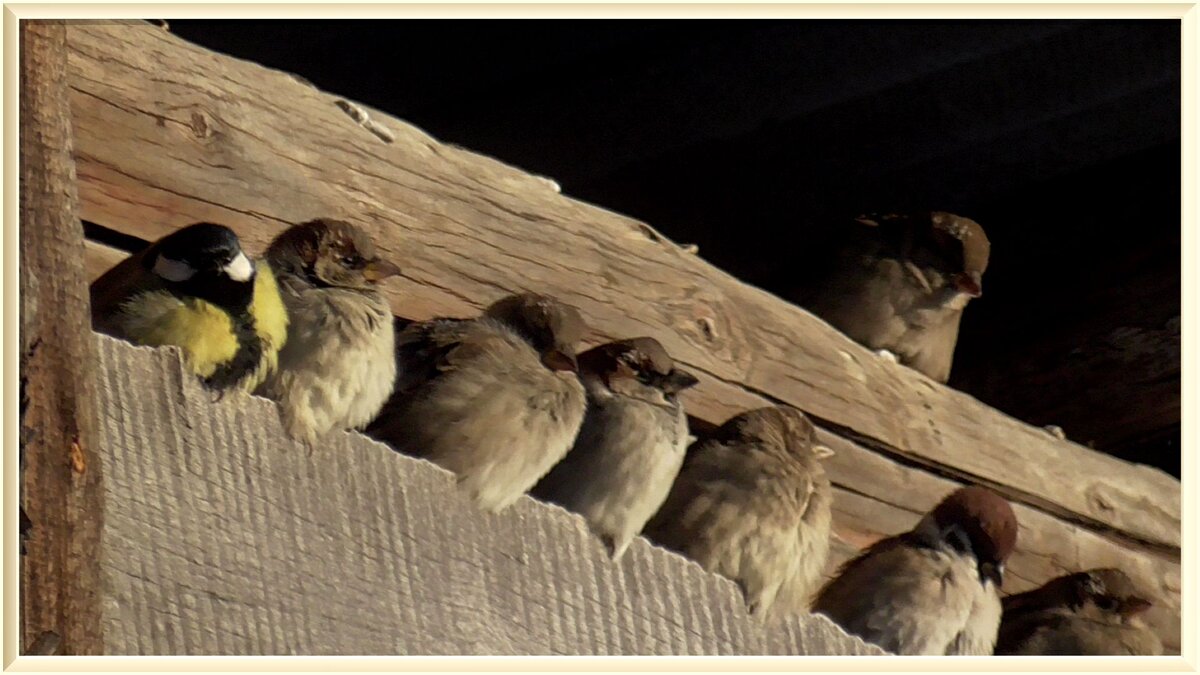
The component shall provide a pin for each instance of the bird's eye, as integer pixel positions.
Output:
(1106, 603)
(352, 261)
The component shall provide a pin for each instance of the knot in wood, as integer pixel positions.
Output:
(199, 125)
(1097, 499)
(75, 456)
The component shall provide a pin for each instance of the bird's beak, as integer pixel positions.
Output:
(558, 359)
(970, 283)
(823, 451)
(378, 270)
(1134, 606)
(993, 571)
(240, 268)
(678, 380)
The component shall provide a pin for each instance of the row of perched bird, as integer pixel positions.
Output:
(505, 402)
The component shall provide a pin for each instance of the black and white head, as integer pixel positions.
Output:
(204, 260)
(978, 522)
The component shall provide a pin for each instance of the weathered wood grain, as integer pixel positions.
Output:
(169, 133)
(61, 477)
(223, 536)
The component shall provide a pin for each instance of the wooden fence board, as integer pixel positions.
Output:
(224, 536)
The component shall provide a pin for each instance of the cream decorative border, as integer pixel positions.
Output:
(1188, 15)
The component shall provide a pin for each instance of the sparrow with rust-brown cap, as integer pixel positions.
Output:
(632, 443)
(496, 399)
(752, 503)
(1093, 613)
(338, 365)
(934, 590)
(900, 283)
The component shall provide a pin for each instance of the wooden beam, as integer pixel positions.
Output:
(100, 258)
(209, 137)
(61, 580)
(169, 134)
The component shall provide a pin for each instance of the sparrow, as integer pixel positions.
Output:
(900, 283)
(196, 289)
(933, 590)
(752, 503)
(1093, 613)
(495, 399)
(338, 366)
(632, 442)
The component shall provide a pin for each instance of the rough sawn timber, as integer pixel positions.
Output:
(60, 482)
(169, 133)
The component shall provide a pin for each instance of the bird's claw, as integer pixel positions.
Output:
(615, 550)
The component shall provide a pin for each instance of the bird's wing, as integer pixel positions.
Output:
(719, 493)
(674, 525)
(114, 287)
(428, 349)
(1018, 624)
(1041, 633)
(424, 349)
(898, 596)
(1083, 633)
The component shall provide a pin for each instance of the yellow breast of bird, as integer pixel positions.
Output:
(202, 330)
(270, 315)
(205, 332)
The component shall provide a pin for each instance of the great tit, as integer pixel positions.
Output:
(196, 289)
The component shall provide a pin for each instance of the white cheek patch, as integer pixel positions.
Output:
(172, 270)
(240, 268)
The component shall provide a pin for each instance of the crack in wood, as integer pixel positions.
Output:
(1031, 500)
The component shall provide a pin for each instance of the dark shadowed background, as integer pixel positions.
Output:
(747, 137)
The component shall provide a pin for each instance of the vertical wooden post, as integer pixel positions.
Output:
(61, 495)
